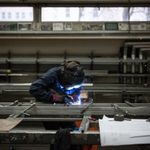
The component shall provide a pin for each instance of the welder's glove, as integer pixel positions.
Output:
(56, 97)
(68, 100)
(75, 97)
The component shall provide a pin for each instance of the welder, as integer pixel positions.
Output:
(60, 84)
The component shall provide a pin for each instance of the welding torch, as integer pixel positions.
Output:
(62, 97)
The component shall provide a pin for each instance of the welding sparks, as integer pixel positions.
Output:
(71, 90)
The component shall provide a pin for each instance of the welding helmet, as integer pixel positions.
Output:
(71, 74)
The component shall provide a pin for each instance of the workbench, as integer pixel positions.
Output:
(32, 131)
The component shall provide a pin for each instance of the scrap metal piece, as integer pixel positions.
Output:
(9, 123)
(84, 124)
(12, 121)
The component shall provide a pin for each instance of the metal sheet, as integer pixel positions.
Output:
(7, 124)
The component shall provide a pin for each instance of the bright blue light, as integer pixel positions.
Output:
(74, 87)
(70, 91)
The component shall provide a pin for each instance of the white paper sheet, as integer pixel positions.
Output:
(136, 131)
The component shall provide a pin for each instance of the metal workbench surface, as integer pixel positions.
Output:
(32, 131)
(98, 109)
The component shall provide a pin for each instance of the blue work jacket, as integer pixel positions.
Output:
(41, 88)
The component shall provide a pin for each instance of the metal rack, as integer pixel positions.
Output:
(127, 75)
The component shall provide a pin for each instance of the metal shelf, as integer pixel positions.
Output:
(138, 36)
(100, 88)
(87, 73)
(82, 60)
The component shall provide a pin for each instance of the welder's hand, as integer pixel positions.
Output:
(56, 97)
(68, 100)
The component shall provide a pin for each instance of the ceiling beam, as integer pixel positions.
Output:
(97, 3)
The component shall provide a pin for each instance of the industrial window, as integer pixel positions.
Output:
(139, 14)
(92, 14)
(82, 14)
(8, 14)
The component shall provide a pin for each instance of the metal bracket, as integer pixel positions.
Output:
(84, 124)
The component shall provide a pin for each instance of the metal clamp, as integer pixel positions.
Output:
(121, 113)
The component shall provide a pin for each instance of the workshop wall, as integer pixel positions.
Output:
(104, 47)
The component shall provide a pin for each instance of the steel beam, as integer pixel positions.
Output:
(77, 2)
(47, 137)
(100, 88)
(74, 111)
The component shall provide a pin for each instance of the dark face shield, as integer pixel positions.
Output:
(72, 78)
